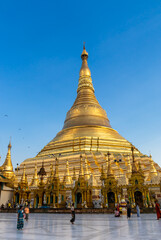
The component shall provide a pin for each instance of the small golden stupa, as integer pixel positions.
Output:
(7, 168)
(87, 132)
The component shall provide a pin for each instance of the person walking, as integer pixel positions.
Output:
(138, 210)
(27, 213)
(128, 210)
(157, 207)
(20, 220)
(73, 214)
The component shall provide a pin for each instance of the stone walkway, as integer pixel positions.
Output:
(86, 227)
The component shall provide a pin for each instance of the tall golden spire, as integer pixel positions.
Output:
(85, 79)
(81, 173)
(7, 165)
(109, 170)
(86, 109)
(23, 179)
(86, 174)
(134, 168)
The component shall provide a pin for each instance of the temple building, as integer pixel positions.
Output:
(88, 162)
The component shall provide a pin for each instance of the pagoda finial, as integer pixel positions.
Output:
(84, 71)
(84, 45)
(7, 165)
(9, 145)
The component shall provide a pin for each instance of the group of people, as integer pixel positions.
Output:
(10, 204)
(23, 213)
(129, 208)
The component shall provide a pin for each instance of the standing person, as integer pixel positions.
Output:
(157, 207)
(20, 221)
(128, 209)
(138, 210)
(118, 208)
(9, 204)
(27, 213)
(73, 214)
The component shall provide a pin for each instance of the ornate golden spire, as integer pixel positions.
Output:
(86, 173)
(84, 71)
(23, 179)
(7, 165)
(134, 168)
(81, 173)
(109, 170)
(85, 80)
(86, 109)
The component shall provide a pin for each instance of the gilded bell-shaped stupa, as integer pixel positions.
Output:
(7, 167)
(87, 131)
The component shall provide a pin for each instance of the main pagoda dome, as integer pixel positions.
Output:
(87, 131)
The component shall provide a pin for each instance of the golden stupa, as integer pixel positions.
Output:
(87, 131)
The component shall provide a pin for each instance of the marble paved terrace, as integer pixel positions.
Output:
(86, 227)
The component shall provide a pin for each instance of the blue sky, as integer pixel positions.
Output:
(40, 47)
